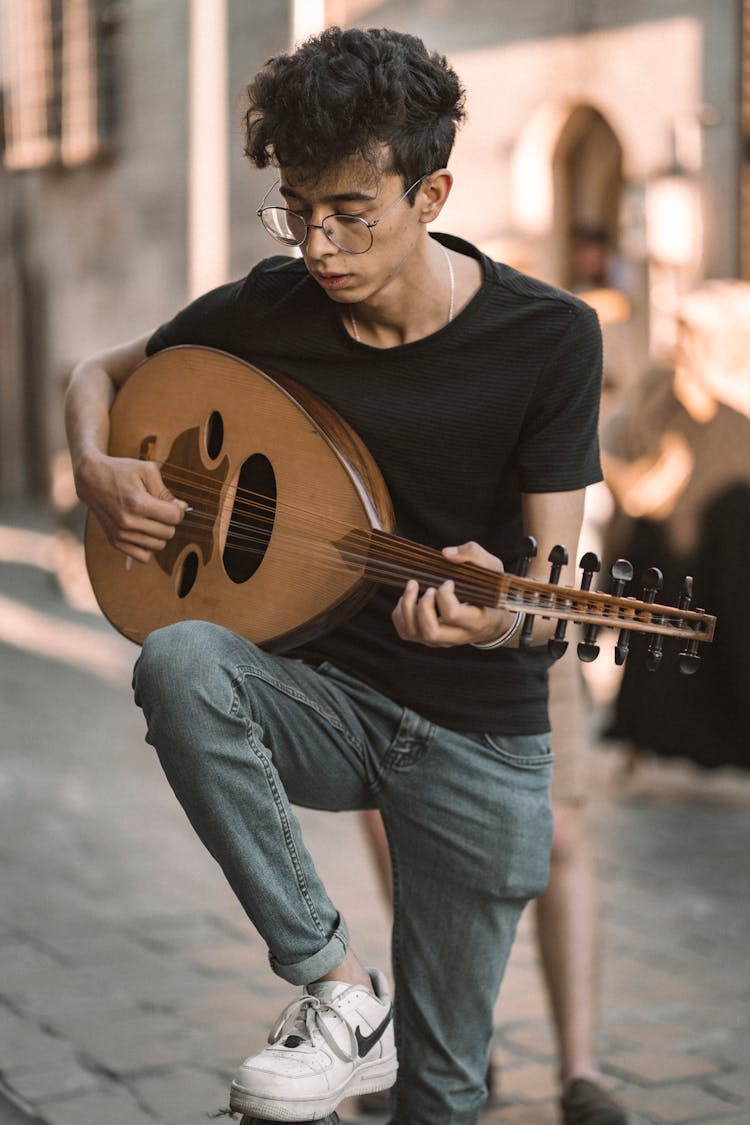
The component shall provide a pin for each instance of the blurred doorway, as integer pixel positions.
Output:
(590, 199)
(587, 177)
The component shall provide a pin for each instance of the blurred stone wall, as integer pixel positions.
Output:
(102, 248)
(646, 66)
(97, 254)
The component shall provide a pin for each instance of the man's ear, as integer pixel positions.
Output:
(433, 193)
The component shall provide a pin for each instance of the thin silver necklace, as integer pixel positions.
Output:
(451, 275)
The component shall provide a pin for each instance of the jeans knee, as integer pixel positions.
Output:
(174, 653)
(182, 670)
(174, 642)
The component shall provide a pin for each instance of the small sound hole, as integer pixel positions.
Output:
(252, 519)
(188, 574)
(214, 435)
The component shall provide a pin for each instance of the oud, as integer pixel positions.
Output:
(290, 528)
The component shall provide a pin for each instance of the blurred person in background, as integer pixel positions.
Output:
(677, 461)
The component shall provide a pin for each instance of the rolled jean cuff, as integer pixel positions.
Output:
(320, 963)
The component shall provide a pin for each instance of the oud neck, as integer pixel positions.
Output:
(392, 561)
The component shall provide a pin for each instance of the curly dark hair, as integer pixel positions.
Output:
(352, 92)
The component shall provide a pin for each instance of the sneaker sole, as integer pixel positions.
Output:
(365, 1080)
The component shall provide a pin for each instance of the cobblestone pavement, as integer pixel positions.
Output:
(130, 984)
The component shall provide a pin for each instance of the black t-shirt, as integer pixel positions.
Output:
(502, 400)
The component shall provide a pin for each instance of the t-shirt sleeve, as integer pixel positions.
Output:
(559, 449)
(208, 321)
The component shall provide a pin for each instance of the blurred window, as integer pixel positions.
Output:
(57, 81)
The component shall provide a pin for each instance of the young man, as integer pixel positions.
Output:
(476, 390)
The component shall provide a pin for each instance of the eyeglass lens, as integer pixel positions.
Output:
(348, 232)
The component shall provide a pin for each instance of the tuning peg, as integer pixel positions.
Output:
(689, 660)
(590, 564)
(652, 582)
(526, 552)
(588, 649)
(621, 573)
(557, 645)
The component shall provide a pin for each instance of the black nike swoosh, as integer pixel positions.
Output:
(365, 1043)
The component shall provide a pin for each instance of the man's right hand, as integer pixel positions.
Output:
(132, 503)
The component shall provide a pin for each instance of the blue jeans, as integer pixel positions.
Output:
(243, 736)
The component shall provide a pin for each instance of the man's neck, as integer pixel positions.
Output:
(419, 302)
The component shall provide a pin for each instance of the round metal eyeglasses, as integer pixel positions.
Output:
(349, 233)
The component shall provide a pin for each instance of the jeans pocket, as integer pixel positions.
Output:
(411, 743)
(521, 751)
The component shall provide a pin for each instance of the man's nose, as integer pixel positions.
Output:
(318, 243)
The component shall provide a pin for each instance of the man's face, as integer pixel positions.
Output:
(351, 189)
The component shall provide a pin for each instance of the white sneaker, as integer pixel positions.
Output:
(332, 1042)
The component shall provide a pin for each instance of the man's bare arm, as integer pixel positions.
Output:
(128, 496)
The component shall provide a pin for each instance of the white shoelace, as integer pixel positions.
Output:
(305, 1009)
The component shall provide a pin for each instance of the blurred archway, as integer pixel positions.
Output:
(587, 180)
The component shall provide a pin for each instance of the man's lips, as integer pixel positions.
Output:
(332, 280)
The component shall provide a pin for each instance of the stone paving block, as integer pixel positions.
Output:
(644, 1033)
(733, 1013)
(23, 1044)
(536, 1039)
(675, 1104)
(154, 983)
(13, 1110)
(622, 968)
(521, 998)
(26, 971)
(91, 944)
(524, 953)
(543, 1114)
(70, 1004)
(221, 1049)
(225, 957)
(733, 1119)
(531, 1083)
(254, 1021)
(53, 1080)
(179, 933)
(215, 1003)
(145, 1042)
(721, 1042)
(734, 1085)
(350, 1113)
(503, 1059)
(183, 1095)
(661, 1066)
(69, 934)
(30, 912)
(652, 991)
(130, 962)
(514, 1006)
(727, 1045)
(112, 1106)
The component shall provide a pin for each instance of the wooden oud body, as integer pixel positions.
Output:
(275, 480)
